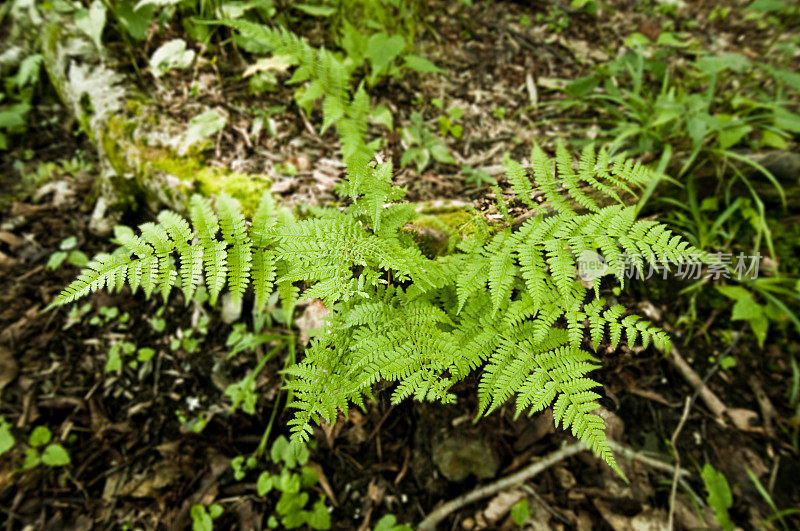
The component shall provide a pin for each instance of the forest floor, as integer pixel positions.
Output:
(137, 460)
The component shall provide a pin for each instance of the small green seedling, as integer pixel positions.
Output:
(293, 480)
(203, 518)
(719, 495)
(6, 437)
(423, 145)
(521, 512)
(389, 523)
(52, 454)
(67, 251)
(477, 178)
(448, 123)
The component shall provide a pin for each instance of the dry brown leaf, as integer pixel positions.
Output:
(501, 504)
(323, 482)
(8, 367)
(276, 63)
(11, 239)
(148, 485)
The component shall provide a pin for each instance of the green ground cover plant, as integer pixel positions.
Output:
(423, 322)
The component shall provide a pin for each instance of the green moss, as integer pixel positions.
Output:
(248, 189)
(144, 163)
(438, 234)
(455, 222)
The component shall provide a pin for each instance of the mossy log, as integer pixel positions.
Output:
(141, 163)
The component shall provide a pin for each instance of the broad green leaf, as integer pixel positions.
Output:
(171, 55)
(78, 258)
(441, 153)
(719, 495)
(145, 354)
(636, 40)
(355, 43)
(381, 115)
(315, 11)
(114, 361)
(521, 511)
(135, 20)
(200, 127)
(201, 520)
(40, 436)
(767, 5)
(55, 455)
(582, 86)
(308, 477)
(28, 72)
(92, 21)
(713, 64)
(382, 49)
(319, 517)
(773, 140)
(786, 120)
(732, 135)
(215, 511)
(264, 483)
(68, 243)
(14, 116)
(56, 259)
(420, 64)
(669, 39)
(697, 128)
(31, 459)
(281, 451)
(6, 438)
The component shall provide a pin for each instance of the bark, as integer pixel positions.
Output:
(141, 163)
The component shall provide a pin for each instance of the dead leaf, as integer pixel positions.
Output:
(649, 519)
(8, 367)
(148, 485)
(565, 478)
(276, 63)
(501, 504)
(323, 481)
(331, 431)
(11, 239)
(6, 261)
(62, 191)
(583, 50)
(744, 419)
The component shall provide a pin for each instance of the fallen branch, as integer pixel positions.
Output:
(742, 418)
(430, 522)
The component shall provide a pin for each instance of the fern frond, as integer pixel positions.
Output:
(505, 301)
(101, 271)
(520, 183)
(234, 233)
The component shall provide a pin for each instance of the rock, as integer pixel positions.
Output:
(458, 456)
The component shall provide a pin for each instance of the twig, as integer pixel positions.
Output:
(711, 400)
(633, 455)
(673, 442)
(439, 514)
(530, 490)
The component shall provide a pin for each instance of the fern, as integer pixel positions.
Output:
(506, 301)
